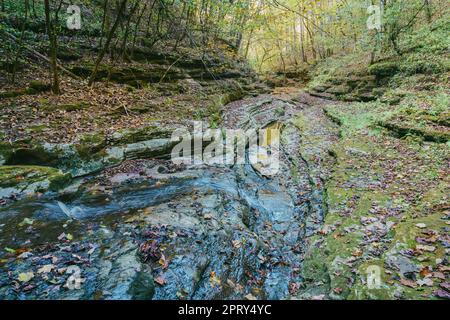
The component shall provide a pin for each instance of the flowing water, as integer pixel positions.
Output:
(148, 232)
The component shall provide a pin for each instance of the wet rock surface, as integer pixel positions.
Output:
(149, 229)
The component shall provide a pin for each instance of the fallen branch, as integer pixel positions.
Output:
(170, 67)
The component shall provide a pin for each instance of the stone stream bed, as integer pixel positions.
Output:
(150, 229)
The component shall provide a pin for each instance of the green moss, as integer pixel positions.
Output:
(356, 116)
(357, 188)
(91, 145)
(315, 268)
(85, 70)
(146, 133)
(384, 69)
(34, 88)
(13, 176)
(428, 134)
(39, 86)
(424, 63)
(339, 89)
(31, 154)
(37, 128)
(12, 93)
(6, 149)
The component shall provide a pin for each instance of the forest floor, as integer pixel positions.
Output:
(387, 201)
(86, 182)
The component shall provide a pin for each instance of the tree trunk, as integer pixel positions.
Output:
(108, 42)
(33, 6)
(302, 43)
(429, 10)
(104, 21)
(19, 49)
(53, 48)
(127, 30)
(136, 29)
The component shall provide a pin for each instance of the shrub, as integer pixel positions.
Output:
(384, 69)
(422, 63)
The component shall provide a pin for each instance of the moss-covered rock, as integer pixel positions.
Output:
(143, 134)
(377, 213)
(30, 179)
(67, 54)
(39, 86)
(90, 145)
(34, 87)
(32, 153)
(428, 134)
(384, 69)
(338, 90)
(12, 93)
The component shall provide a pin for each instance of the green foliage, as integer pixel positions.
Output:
(384, 69)
(424, 63)
(430, 39)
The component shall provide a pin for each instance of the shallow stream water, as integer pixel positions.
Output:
(198, 232)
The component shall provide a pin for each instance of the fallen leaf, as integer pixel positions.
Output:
(442, 294)
(425, 271)
(423, 258)
(425, 248)
(25, 255)
(236, 244)
(425, 282)
(46, 269)
(25, 276)
(163, 261)
(250, 297)
(444, 268)
(231, 283)
(446, 286)
(214, 279)
(62, 236)
(408, 283)
(26, 221)
(207, 216)
(337, 290)
(357, 253)
(438, 275)
(161, 281)
(421, 225)
(236, 286)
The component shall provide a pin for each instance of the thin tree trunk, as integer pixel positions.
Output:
(136, 29)
(20, 44)
(302, 45)
(104, 24)
(247, 47)
(429, 10)
(127, 29)
(149, 20)
(33, 6)
(53, 48)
